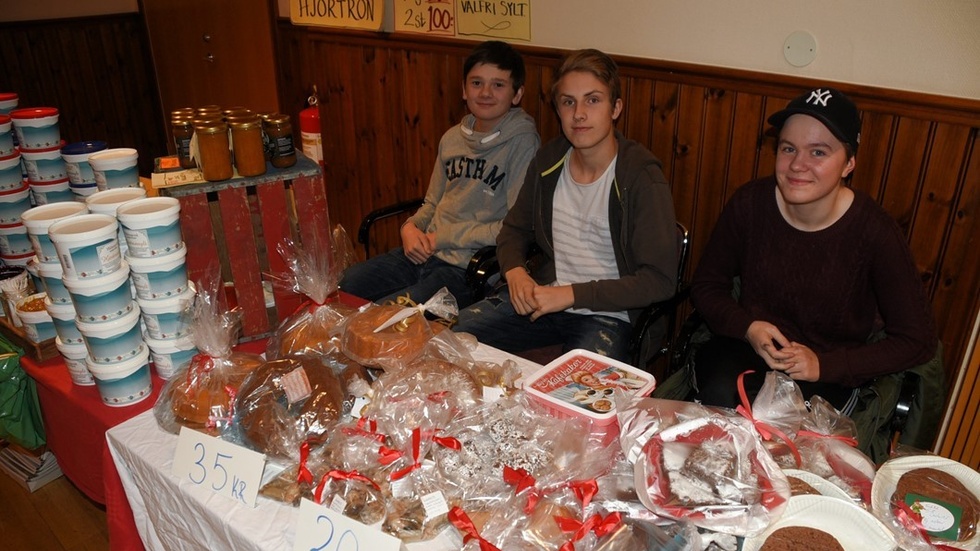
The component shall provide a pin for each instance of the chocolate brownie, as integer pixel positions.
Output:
(800, 538)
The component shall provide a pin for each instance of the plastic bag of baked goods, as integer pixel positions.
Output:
(776, 413)
(287, 402)
(827, 442)
(640, 418)
(314, 272)
(389, 336)
(929, 502)
(714, 472)
(509, 446)
(202, 395)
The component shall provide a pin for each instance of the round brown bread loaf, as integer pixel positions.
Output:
(273, 425)
(941, 486)
(800, 538)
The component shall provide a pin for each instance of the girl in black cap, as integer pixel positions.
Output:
(819, 269)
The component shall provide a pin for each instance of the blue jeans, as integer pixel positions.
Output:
(386, 277)
(495, 322)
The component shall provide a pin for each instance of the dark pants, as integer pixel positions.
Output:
(495, 322)
(385, 277)
(719, 361)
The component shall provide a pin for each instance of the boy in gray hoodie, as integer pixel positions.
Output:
(475, 181)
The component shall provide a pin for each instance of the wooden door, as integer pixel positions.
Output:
(213, 52)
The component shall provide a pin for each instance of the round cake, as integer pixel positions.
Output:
(275, 425)
(941, 486)
(202, 394)
(392, 346)
(800, 538)
(798, 487)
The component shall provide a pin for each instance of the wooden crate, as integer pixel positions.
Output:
(238, 225)
(39, 351)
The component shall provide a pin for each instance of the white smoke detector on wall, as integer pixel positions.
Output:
(800, 48)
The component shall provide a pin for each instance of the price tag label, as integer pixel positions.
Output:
(220, 466)
(321, 529)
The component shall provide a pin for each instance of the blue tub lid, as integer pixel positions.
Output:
(81, 148)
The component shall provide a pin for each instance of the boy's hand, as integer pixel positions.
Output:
(417, 245)
(521, 287)
(552, 299)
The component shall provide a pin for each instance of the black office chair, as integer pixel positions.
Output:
(364, 231)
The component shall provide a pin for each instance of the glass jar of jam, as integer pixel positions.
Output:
(182, 127)
(214, 154)
(280, 132)
(246, 140)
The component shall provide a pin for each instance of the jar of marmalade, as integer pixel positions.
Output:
(246, 140)
(183, 130)
(214, 153)
(280, 132)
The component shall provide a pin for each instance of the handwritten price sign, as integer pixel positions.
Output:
(320, 529)
(504, 19)
(435, 17)
(222, 467)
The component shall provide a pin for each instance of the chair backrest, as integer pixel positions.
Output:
(683, 250)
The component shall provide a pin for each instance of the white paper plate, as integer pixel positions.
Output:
(820, 484)
(892, 470)
(855, 528)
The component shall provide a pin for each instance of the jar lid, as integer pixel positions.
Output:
(205, 121)
(7, 96)
(183, 111)
(277, 118)
(183, 120)
(81, 148)
(211, 128)
(245, 123)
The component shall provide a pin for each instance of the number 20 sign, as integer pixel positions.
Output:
(219, 466)
(321, 529)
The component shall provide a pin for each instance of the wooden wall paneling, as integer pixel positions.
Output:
(717, 144)
(903, 177)
(874, 151)
(766, 164)
(74, 65)
(637, 116)
(686, 152)
(664, 126)
(962, 442)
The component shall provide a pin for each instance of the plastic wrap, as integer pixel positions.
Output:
(928, 501)
(714, 472)
(287, 402)
(642, 418)
(392, 335)
(202, 395)
(313, 272)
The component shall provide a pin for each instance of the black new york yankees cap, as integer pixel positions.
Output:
(831, 107)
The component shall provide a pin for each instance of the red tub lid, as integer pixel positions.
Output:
(33, 112)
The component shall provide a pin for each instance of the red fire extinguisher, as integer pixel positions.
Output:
(309, 127)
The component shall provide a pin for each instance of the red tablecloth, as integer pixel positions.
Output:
(75, 422)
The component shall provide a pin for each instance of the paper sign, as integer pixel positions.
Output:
(353, 14)
(502, 19)
(321, 529)
(219, 466)
(435, 17)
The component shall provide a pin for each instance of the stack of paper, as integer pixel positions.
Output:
(29, 470)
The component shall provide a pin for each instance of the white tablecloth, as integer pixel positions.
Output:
(173, 514)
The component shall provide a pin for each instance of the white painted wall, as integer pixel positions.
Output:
(930, 46)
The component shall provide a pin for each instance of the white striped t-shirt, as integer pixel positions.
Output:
(580, 229)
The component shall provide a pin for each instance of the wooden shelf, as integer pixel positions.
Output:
(37, 351)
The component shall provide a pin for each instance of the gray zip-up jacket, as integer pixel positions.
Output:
(641, 221)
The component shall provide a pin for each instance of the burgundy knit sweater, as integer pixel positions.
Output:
(830, 289)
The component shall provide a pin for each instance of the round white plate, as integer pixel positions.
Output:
(820, 484)
(892, 470)
(855, 528)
